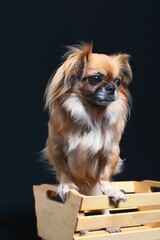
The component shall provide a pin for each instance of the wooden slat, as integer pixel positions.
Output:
(127, 186)
(105, 233)
(114, 220)
(133, 200)
(146, 234)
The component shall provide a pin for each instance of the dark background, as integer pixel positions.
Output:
(32, 36)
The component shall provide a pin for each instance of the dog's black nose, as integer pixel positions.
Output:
(110, 88)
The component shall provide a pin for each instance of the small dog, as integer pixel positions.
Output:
(88, 102)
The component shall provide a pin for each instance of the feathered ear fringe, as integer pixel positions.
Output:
(127, 76)
(123, 60)
(72, 69)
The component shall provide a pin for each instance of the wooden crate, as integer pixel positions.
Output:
(138, 217)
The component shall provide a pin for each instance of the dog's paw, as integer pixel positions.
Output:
(64, 188)
(113, 229)
(116, 195)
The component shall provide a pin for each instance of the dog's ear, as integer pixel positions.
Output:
(72, 69)
(126, 71)
(75, 62)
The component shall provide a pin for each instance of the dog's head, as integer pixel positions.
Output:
(95, 78)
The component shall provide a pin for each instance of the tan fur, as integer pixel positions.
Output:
(83, 140)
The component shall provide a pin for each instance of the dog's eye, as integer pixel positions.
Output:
(117, 81)
(95, 79)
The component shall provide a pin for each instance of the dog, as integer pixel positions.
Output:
(88, 103)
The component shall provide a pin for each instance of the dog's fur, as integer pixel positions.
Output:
(88, 102)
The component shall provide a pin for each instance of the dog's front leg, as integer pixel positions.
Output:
(57, 158)
(112, 166)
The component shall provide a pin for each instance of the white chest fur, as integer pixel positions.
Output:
(92, 141)
(99, 137)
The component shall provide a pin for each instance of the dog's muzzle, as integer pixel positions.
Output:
(106, 95)
(103, 96)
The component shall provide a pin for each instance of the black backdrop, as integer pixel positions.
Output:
(31, 40)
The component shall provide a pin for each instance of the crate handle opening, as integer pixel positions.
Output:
(148, 186)
(155, 189)
(53, 196)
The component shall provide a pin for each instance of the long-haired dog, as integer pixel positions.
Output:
(88, 102)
